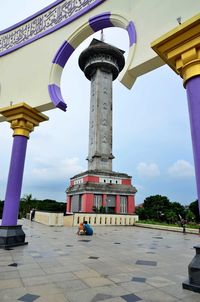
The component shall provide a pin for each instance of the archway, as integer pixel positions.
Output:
(64, 52)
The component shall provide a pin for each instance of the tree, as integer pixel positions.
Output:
(159, 208)
(26, 204)
(178, 209)
(194, 208)
(140, 211)
(156, 207)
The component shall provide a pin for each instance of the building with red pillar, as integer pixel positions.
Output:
(110, 192)
(100, 189)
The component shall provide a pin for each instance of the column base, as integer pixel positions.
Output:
(11, 236)
(193, 283)
(192, 287)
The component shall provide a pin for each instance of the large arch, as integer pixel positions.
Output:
(64, 52)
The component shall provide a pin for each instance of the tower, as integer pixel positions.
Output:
(99, 187)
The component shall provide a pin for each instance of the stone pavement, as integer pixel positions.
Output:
(117, 264)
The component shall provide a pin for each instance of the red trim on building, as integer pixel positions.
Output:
(104, 200)
(126, 182)
(90, 178)
(117, 204)
(131, 204)
(87, 202)
(68, 207)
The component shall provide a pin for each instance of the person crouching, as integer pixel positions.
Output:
(87, 228)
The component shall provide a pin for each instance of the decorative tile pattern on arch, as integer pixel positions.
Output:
(50, 20)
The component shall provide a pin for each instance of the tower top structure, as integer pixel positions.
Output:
(101, 55)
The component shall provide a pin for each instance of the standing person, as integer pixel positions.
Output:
(183, 224)
(87, 228)
(32, 214)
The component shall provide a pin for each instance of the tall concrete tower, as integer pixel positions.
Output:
(101, 64)
(100, 187)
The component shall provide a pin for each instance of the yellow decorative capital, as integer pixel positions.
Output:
(180, 48)
(23, 118)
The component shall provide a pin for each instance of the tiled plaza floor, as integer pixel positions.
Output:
(117, 264)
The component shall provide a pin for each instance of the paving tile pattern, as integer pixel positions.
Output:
(116, 264)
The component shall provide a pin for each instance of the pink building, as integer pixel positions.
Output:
(110, 192)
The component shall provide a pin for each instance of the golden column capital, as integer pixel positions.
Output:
(180, 48)
(23, 118)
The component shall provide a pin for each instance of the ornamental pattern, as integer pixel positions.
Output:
(42, 23)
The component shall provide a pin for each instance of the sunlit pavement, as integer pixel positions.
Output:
(116, 264)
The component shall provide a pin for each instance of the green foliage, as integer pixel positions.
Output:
(27, 203)
(193, 207)
(99, 210)
(159, 209)
(95, 209)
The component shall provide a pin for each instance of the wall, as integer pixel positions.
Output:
(47, 218)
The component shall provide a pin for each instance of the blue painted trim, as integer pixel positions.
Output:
(56, 97)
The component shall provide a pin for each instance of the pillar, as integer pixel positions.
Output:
(180, 49)
(68, 209)
(23, 119)
(130, 204)
(104, 201)
(87, 202)
(117, 208)
(14, 183)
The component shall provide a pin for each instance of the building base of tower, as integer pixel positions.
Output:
(100, 191)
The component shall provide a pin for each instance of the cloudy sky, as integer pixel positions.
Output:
(151, 132)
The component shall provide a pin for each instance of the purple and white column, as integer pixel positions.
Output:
(193, 95)
(23, 119)
(14, 184)
(180, 49)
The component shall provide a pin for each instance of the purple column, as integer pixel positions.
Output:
(14, 184)
(193, 95)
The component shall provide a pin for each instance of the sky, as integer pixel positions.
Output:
(151, 131)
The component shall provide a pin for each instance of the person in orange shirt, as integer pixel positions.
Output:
(81, 230)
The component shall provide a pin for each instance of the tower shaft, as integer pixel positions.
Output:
(100, 127)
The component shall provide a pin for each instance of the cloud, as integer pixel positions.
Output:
(148, 170)
(181, 169)
(56, 169)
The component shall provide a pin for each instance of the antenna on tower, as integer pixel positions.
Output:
(102, 36)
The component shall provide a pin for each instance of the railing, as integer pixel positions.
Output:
(102, 219)
(57, 219)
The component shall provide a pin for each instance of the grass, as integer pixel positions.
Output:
(149, 221)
